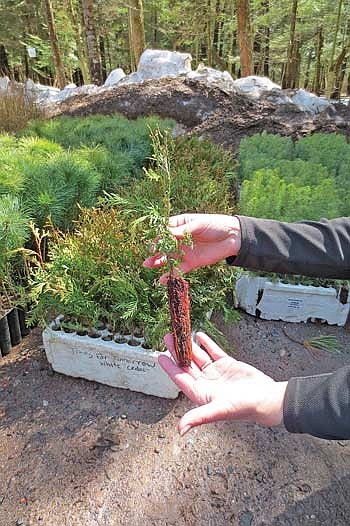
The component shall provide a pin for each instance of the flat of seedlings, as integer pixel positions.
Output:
(76, 453)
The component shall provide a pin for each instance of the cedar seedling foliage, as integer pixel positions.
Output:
(167, 246)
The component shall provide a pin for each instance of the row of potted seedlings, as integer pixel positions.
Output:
(103, 331)
(12, 329)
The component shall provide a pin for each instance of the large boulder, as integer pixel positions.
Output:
(213, 78)
(157, 63)
(114, 77)
(254, 86)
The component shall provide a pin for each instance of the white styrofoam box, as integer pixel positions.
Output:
(108, 362)
(292, 303)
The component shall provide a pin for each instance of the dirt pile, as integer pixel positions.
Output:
(224, 117)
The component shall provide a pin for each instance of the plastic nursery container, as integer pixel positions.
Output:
(12, 329)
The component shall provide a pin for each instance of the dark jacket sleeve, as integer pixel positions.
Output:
(317, 405)
(319, 249)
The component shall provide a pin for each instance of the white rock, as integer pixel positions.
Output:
(156, 63)
(213, 77)
(53, 95)
(133, 78)
(254, 86)
(70, 86)
(114, 77)
(309, 102)
(117, 365)
(4, 83)
(30, 85)
(292, 303)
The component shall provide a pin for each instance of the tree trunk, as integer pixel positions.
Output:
(307, 73)
(103, 58)
(108, 53)
(231, 51)
(339, 73)
(317, 79)
(136, 30)
(61, 79)
(4, 63)
(331, 74)
(288, 79)
(210, 30)
(92, 48)
(245, 40)
(155, 25)
(266, 70)
(81, 52)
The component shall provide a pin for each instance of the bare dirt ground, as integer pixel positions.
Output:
(76, 453)
(224, 117)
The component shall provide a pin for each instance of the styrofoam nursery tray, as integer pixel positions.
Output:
(292, 303)
(115, 364)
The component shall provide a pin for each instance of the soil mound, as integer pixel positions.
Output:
(224, 117)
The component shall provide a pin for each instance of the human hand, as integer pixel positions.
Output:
(214, 237)
(222, 387)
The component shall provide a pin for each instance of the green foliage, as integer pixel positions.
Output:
(55, 188)
(329, 150)
(59, 164)
(114, 135)
(14, 232)
(270, 196)
(313, 184)
(96, 272)
(263, 151)
(343, 182)
(328, 343)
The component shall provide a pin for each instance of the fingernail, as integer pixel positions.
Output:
(185, 430)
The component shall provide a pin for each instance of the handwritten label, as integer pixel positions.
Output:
(106, 360)
(295, 303)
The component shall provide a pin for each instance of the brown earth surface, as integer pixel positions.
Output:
(77, 453)
(224, 117)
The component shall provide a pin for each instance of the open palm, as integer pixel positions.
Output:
(222, 387)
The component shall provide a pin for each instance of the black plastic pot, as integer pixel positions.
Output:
(14, 326)
(22, 321)
(5, 337)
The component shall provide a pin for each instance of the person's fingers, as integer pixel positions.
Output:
(200, 357)
(181, 219)
(203, 414)
(214, 351)
(154, 261)
(163, 280)
(193, 369)
(181, 378)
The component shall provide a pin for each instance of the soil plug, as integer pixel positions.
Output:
(179, 304)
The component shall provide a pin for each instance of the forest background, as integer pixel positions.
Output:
(299, 43)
